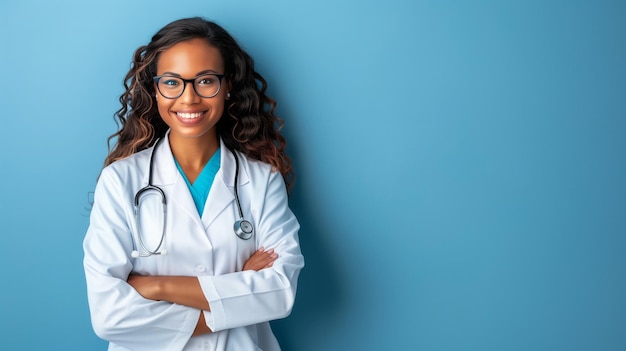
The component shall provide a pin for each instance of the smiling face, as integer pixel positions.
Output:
(190, 115)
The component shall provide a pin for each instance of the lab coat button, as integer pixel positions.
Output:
(200, 268)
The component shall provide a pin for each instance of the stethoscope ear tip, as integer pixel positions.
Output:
(136, 254)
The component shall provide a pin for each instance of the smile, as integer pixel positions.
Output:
(187, 115)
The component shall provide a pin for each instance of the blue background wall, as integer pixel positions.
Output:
(461, 165)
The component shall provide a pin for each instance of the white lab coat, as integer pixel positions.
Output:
(242, 303)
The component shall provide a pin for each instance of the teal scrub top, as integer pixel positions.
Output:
(200, 188)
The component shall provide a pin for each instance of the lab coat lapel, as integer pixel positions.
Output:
(222, 192)
(167, 176)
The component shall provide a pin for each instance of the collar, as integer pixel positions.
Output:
(165, 172)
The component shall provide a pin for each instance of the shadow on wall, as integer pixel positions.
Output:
(320, 294)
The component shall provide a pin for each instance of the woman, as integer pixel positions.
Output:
(175, 254)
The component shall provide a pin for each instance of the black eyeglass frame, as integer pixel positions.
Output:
(193, 84)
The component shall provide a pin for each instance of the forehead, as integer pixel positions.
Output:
(190, 57)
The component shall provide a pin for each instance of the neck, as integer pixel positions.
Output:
(193, 153)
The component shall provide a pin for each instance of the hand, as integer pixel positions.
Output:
(260, 259)
(146, 286)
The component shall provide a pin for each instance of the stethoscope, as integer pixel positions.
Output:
(242, 227)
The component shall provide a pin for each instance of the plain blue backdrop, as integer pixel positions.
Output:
(461, 169)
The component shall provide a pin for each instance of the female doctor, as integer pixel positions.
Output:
(191, 243)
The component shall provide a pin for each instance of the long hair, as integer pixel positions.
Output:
(248, 124)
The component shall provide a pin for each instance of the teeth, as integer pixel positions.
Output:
(189, 115)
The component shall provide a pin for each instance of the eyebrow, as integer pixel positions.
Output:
(208, 71)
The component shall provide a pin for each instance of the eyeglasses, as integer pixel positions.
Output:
(206, 85)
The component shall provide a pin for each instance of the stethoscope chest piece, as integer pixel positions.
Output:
(243, 229)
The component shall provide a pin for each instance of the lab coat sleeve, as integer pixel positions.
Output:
(118, 313)
(250, 297)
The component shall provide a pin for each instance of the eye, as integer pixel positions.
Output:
(170, 82)
(206, 80)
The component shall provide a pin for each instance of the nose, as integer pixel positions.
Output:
(189, 94)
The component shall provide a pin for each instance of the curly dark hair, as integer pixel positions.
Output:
(248, 124)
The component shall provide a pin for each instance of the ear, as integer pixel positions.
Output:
(229, 86)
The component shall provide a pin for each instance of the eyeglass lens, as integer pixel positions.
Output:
(173, 87)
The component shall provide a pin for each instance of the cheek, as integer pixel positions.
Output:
(163, 107)
(219, 107)
(216, 107)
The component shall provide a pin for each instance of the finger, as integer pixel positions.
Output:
(261, 255)
(266, 260)
(271, 259)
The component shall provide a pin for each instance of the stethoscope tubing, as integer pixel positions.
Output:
(242, 227)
